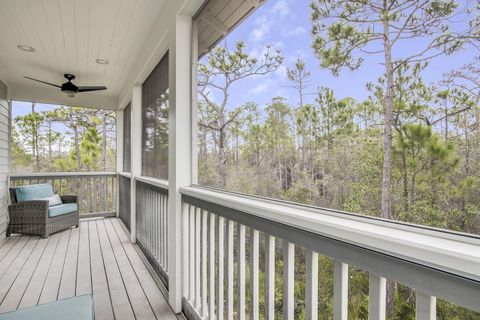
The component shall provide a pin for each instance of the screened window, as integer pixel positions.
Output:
(127, 129)
(155, 122)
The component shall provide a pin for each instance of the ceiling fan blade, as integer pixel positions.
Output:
(91, 88)
(50, 84)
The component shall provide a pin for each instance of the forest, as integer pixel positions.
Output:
(64, 139)
(408, 152)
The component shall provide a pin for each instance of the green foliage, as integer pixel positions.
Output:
(64, 139)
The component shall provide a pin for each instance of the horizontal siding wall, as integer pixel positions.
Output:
(4, 155)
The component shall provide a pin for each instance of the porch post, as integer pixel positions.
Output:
(135, 156)
(120, 151)
(194, 105)
(180, 147)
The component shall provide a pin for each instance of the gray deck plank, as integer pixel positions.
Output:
(101, 295)
(118, 294)
(157, 300)
(4, 240)
(34, 288)
(12, 254)
(69, 275)
(16, 291)
(11, 241)
(16, 266)
(84, 279)
(141, 306)
(52, 282)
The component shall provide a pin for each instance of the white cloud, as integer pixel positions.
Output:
(296, 31)
(259, 88)
(278, 45)
(281, 8)
(281, 72)
(262, 28)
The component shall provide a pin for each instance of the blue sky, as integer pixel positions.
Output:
(286, 25)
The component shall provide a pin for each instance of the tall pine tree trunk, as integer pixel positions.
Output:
(35, 148)
(387, 130)
(103, 183)
(50, 141)
(386, 206)
(222, 157)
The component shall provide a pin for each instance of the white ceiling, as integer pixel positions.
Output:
(69, 35)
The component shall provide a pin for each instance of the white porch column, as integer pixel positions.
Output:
(179, 147)
(135, 156)
(194, 105)
(120, 151)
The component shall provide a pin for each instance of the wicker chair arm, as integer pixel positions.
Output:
(36, 209)
(69, 198)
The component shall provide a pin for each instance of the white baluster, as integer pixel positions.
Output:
(241, 271)
(221, 257)
(254, 271)
(340, 290)
(269, 277)
(185, 244)
(204, 263)
(211, 287)
(377, 297)
(198, 219)
(192, 253)
(311, 294)
(426, 306)
(230, 231)
(288, 280)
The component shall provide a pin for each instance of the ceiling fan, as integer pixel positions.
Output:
(69, 88)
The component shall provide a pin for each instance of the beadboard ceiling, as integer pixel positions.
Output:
(68, 37)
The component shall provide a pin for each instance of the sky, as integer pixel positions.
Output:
(285, 24)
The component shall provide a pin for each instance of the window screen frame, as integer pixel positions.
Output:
(127, 138)
(155, 100)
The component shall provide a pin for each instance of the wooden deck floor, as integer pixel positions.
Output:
(96, 258)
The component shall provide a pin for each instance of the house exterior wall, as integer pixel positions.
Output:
(4, 155)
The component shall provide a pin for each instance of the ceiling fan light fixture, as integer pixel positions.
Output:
(26, 48)
(70, 94)
(102, 61)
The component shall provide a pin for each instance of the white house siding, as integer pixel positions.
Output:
(4, 155)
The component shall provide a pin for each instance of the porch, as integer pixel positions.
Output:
(157, 248)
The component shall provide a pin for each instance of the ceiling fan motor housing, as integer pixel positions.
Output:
(69, 88)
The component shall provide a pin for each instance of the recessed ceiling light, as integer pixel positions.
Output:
(26, 48)
(101, 61)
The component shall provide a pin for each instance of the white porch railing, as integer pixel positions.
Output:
(96, 191)
(223, 234)
(152, 222)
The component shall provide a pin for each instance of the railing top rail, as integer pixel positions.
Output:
(450, 253)
(34, 175)
(163, 184)
(125, 174)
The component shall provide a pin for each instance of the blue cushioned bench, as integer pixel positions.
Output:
(75, 308)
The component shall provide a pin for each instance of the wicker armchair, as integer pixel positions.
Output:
(31, 217)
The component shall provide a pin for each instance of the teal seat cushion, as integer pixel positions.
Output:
(55, 211)
(34, 192)
(76, 308)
